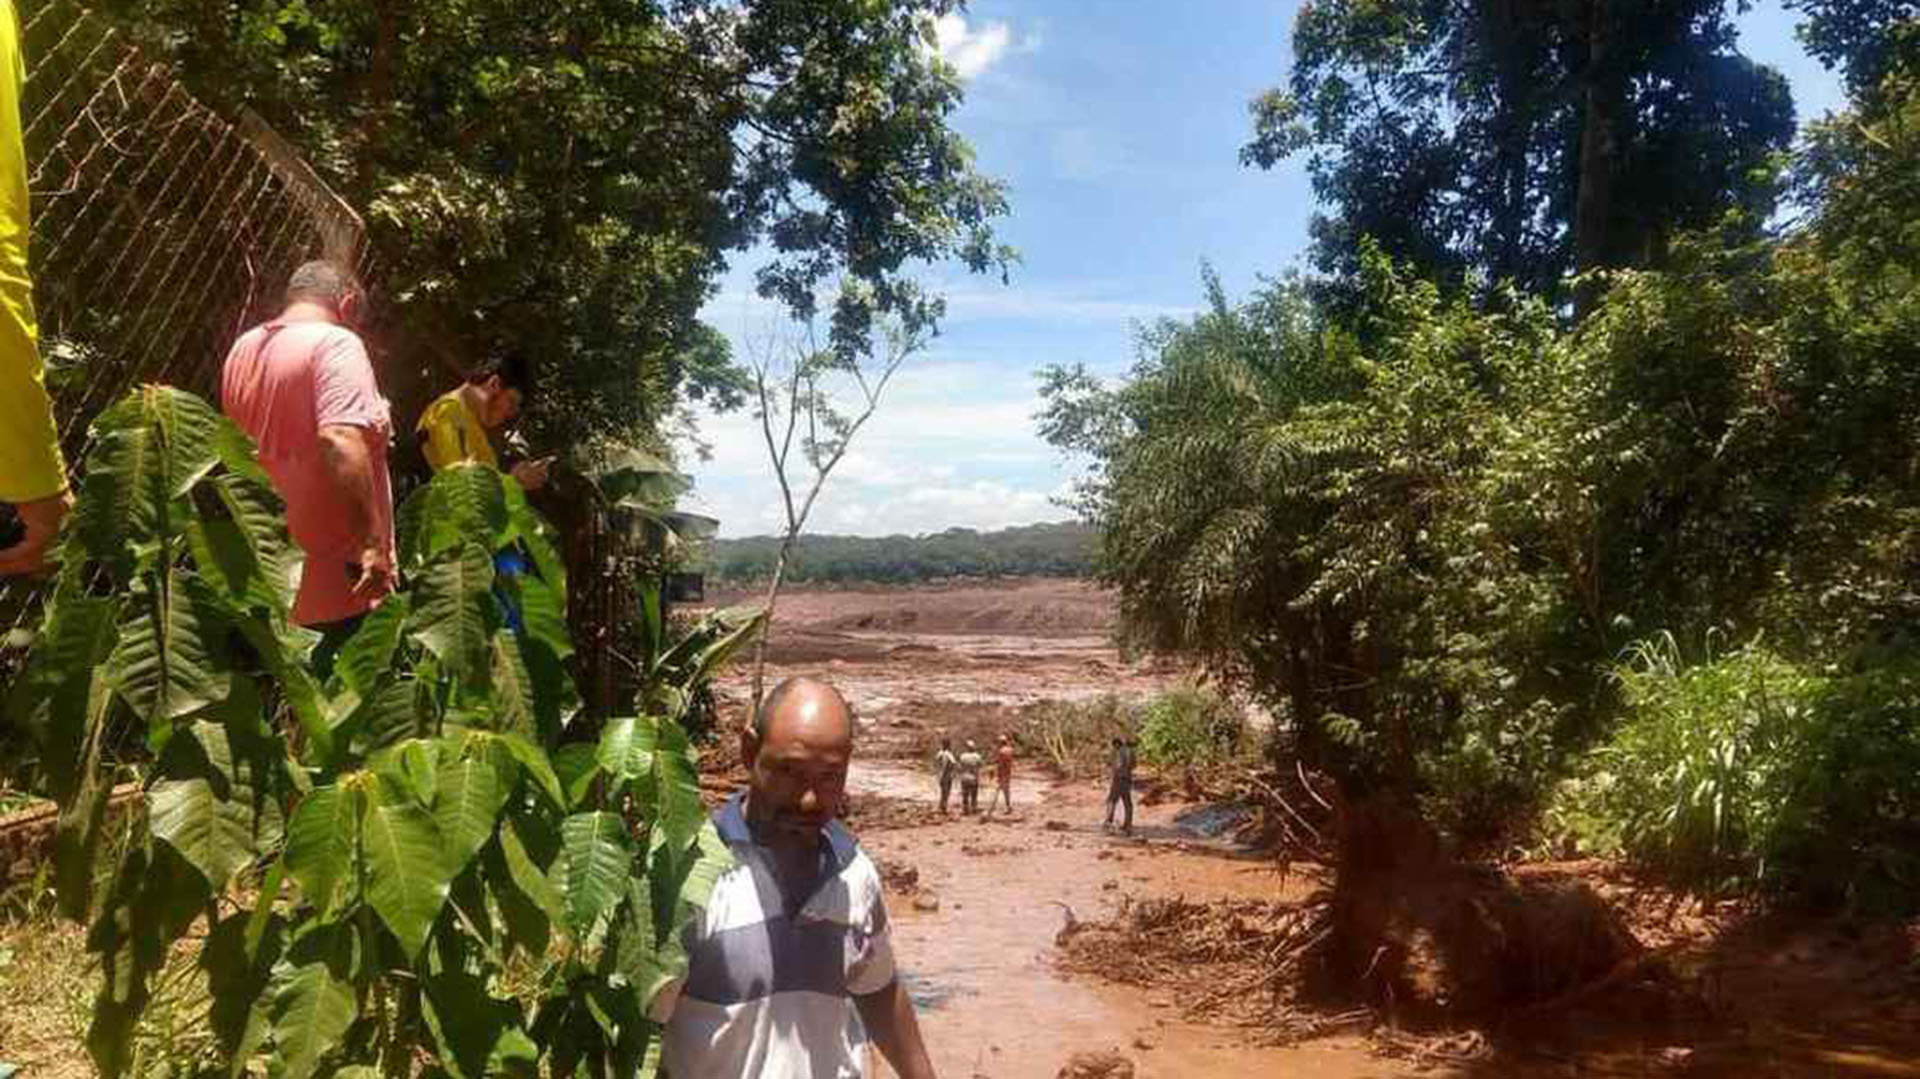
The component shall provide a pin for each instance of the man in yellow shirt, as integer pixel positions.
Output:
(454, 428)
(33, 476)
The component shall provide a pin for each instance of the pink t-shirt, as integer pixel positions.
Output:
(283, 381)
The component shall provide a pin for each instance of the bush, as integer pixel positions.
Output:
(1190, 726)
(1075, 736)
(1751, 772)
(1187, 726)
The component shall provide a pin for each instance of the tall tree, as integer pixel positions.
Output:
(1521, 140)
(569, 178)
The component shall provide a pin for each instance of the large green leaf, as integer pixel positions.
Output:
(259, 517)
(188, 429)
(670, 797)
(237, 451)
(208, 807)
(578, 765)
(464, 504)
(634, 479)
(453, 613)
(368, 654)
(63, 699)
(627, 745)
(50, 696)
(475, 782)
(711, 645)
(238, 977)
(313, 1003)
(172, 659)
(385, 717)
(408, 871)
(223, 556)
(598, 856)
(556, 699)
(539, 767)
(124, 497)
(514, 703)
(529, 904)
(529, 848)
(542, 614)
(283, 650)
(155, 896)
(681, 883)
(322, 836)
(480, 1035)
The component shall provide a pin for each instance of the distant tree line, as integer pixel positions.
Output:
(1042, 550)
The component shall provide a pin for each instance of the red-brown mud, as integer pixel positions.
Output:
(1724, 994)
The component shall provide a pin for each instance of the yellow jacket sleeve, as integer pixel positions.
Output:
(30, 464)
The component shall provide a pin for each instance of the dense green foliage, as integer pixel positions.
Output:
(1043, 550)
(1187, 725)
(1751, 771)
(567, 179)
(1519, 141)
(374, 857)
(1432, 526)
(1190, 726)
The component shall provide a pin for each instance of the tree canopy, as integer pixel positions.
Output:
(1458, 542)
(1509, 140)
(568, 179)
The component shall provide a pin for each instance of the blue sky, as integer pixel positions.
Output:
(1117, 127)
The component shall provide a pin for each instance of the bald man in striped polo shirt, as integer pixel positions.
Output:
(794, 944)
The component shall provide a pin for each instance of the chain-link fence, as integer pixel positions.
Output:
(161, 229)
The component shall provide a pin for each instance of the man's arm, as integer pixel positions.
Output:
(349, 464)
(890, 1022)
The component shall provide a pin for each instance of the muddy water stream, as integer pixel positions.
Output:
(981, 965)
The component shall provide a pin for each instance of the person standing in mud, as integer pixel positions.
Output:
(970, 763)
(1120, 785)
(794, 942)
(1003, 774)
(945, 765)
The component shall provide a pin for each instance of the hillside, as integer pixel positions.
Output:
(1042, 550)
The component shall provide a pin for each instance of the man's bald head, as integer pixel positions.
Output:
(813, 705)
(797, 750)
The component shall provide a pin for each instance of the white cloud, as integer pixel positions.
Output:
(972, 49)
(952, 445)
(970, 302)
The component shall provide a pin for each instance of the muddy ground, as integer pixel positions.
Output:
(1730, 993)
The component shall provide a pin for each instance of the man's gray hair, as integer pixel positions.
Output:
(320, 282)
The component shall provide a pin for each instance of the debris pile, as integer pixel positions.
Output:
(1232, 960)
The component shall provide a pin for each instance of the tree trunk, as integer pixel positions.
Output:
(766, 628)
(1605, 95)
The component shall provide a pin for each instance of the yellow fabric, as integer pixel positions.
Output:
(450, 433)
(30, 464)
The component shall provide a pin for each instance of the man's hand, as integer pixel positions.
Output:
(42, 519)
(532, 475)
(376, 571)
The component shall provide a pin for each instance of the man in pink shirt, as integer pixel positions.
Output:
(303, 387)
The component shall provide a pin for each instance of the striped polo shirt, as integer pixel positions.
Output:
(770, 984)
